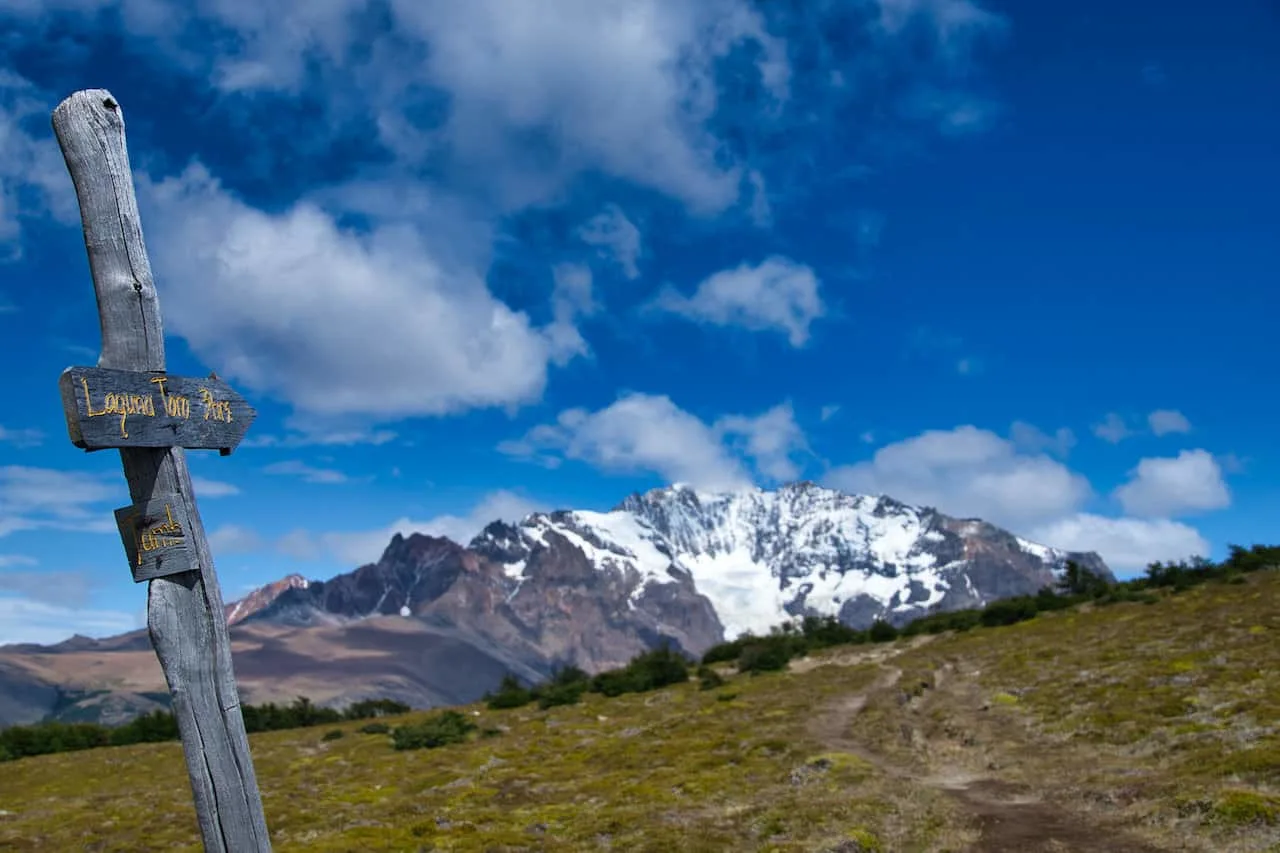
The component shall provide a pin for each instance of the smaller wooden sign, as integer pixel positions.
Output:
(156, 538)
(126, 408)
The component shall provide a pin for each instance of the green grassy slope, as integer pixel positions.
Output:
(1129, 727)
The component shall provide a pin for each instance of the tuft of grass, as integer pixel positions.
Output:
(1246, 808)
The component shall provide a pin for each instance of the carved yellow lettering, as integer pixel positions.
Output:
(166, 533)
(88, 401)
(215, 409)
(177, 407)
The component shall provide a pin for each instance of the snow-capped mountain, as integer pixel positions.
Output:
(762, 557)
(433, 622)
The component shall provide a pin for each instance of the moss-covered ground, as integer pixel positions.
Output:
(1155, 726)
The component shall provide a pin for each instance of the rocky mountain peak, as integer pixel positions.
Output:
(262, 597)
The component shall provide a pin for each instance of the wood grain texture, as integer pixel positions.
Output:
(127, 408)
(184, 611)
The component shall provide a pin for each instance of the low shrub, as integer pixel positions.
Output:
(445, 728)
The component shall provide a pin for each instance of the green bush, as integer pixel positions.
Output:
(882, 632)
(445, 728)
(708, 678)
(650, 670)
(375, 729)
(333, 734)
(1008, 611)
(510, 694)
(822, 632)
(554, 695)
(725, 652)
(371, 708)
(764, 656)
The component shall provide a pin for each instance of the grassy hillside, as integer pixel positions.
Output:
(1131, 727)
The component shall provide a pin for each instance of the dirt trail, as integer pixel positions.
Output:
(1009, 817)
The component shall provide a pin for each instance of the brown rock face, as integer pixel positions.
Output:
(262, 597)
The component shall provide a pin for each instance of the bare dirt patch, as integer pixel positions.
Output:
(1009, 816)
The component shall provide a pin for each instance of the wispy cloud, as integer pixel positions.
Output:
(41, 498)
(21, 438)
(307, 473)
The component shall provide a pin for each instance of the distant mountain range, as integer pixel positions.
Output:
(433, 622)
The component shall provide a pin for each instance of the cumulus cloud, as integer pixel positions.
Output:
(1188, 483)
(772, 440)
(968, 472)
(1126, 544)
(572, 298)
(777, 295)
(335, 322)
(1167, 421)
(651, 434)
(640, 432)
(615, 237)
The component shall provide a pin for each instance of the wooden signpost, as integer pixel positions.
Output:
(129, 402)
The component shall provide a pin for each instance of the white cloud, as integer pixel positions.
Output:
(1032, 439)
(772, 440)
(213, 488)
(1126, 544)
(333, 437)
(776, 295)
(356, 548)
(1190, 482)
(234, 539)
(828, 412)
(307, 473)
(640, 432)
(1112, 429)
(288, 304)
(42, 498)
(615, 237)
(650, 433)
(1166, 421)
(23, 620)
(572, 298)
(968, 472)
(21, 438)
(33, 178)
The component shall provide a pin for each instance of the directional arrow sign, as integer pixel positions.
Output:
(128, 408)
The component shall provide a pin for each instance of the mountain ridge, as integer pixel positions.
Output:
(569, 587)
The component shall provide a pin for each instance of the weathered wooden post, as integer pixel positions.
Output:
(129, 402)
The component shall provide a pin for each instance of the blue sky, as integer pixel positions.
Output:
(1017, 261)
